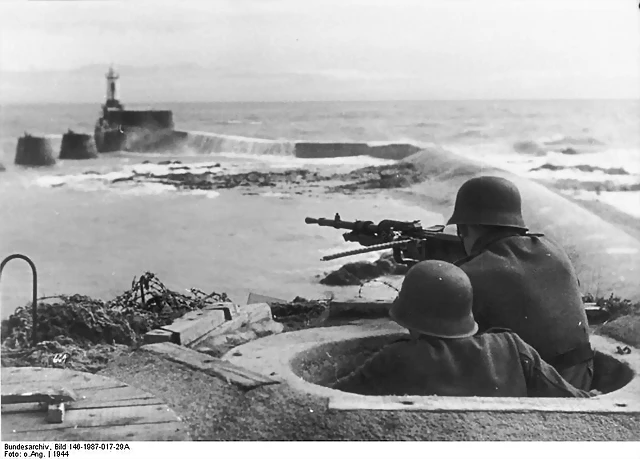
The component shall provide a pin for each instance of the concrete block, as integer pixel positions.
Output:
(194, 325)
(257, 312)
(230, 309)
(158, 336)
(247, 315)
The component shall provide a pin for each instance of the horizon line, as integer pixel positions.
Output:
(551, 99)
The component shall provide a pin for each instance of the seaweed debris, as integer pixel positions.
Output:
(89, 330)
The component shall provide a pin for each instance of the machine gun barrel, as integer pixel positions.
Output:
(359, 226)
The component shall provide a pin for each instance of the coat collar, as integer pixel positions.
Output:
(484, 241)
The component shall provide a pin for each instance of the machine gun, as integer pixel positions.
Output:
(410, 242)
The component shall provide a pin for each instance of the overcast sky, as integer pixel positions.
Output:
(322, 49)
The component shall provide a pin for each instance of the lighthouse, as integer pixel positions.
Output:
(112, 99)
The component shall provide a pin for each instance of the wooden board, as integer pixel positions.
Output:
(104, 409)
(76, 386)
(227, 371)
(38, 374)
(195, 324)
(96, 417)
(83, 404)
(49, 396)
(120, 395)
(159, 431)
(158, 336)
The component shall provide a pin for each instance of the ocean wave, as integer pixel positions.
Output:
(231, 122)
(470, 134)
(560, 144)
(528, 147)
(568, 140)
(210, 143)
(583, 168)
(193, 143)
(427, 124)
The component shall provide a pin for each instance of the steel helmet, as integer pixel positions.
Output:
(435, 299)
(488, 201)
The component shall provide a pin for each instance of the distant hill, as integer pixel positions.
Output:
(178, 82)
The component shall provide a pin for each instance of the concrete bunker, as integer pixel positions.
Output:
(326, 363)
(311, 360)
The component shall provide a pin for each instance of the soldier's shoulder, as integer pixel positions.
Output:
(502, 333)
(507, 337)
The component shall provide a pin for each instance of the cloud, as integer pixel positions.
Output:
(355, 75)
(369, 47)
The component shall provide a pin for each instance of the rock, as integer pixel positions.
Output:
(357, 272)
(341, 277)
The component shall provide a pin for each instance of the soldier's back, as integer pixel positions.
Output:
(528, 285)
(487, 365)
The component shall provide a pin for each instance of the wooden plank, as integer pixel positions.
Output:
(75, 386)
(51, 396)
(158, 336)
(227, 371)
(159, 431)
(195, 324)
(12, 375)
(117, 416)
(89, 398)
(83, 405)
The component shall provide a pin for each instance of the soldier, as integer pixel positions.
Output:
(523, 282)
(444, 355)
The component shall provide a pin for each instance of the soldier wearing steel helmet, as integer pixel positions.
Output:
(521, 281)
(444, 355)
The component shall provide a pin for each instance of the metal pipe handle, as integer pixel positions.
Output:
(34, 302)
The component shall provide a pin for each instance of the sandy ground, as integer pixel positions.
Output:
(214, 410)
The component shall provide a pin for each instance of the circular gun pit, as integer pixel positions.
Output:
(311, 360)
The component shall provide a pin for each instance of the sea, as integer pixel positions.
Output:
(89, 236)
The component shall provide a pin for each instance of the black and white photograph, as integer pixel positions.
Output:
(362, 223)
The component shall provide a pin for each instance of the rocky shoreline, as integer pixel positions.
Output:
(183, 177)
